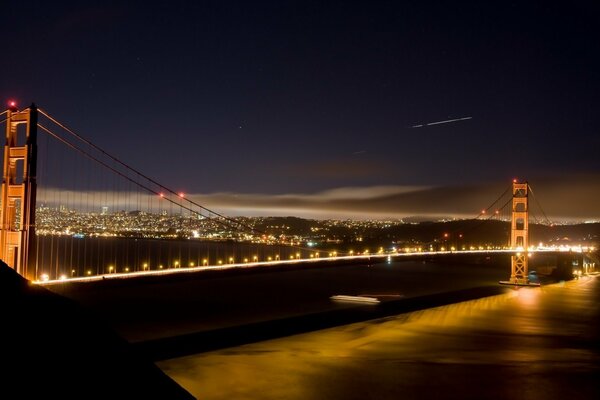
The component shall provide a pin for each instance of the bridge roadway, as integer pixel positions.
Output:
(155, 308)
(337, 258)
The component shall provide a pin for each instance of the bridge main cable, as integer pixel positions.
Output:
(548, 220)
(231, 222)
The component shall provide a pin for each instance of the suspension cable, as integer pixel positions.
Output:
(540, 206)
(86, 154)
(173, 192)
(495, 201)
(477, 218)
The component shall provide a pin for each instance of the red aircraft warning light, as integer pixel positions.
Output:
(12, 105)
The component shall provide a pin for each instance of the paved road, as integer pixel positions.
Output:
(541, 343)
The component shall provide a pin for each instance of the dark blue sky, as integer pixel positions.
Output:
(281, 97)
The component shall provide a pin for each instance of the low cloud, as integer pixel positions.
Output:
(568, 199)
(560, 199)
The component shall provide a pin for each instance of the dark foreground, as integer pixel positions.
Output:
(441, 330)
(531, 343)
(52, 348)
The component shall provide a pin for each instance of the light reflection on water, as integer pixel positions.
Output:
(531, 343)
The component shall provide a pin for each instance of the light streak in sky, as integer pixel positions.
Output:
(441, 122)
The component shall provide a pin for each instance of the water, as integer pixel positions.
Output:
(168, 306)
(532, 343)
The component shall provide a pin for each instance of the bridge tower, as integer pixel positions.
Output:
(17, 207)
(519, 234)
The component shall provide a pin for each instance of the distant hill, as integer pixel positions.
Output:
(469, 232)
(476, 232)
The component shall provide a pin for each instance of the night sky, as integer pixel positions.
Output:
(266, 101)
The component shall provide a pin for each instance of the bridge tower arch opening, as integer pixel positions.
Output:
(17, 201)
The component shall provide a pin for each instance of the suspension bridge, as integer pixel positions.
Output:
(72, 211)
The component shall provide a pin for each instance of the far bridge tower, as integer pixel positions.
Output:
(519, 235)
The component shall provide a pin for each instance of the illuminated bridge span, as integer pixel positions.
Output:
(72, 211)
(388, 255)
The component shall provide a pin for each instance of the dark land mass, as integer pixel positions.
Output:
(53, 348)
(469, 232)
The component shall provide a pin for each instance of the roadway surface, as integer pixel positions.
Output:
(531, 343)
